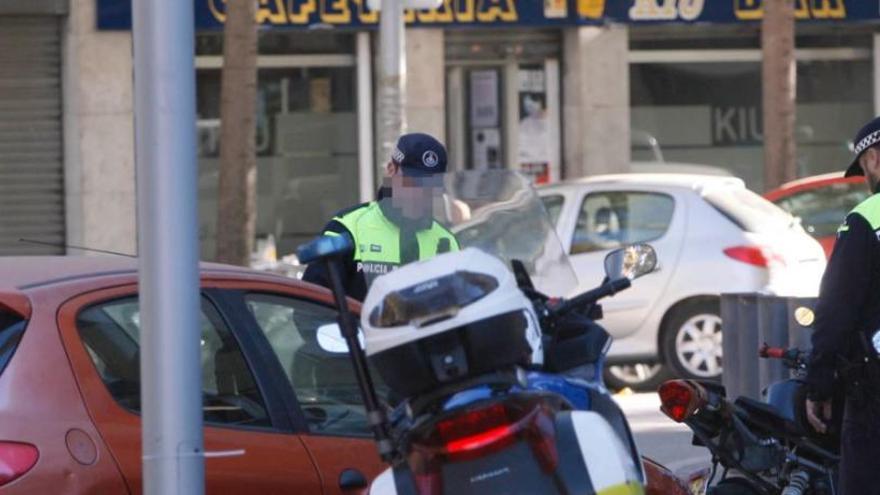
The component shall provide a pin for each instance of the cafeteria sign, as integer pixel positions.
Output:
(294, 14)
(211, 14)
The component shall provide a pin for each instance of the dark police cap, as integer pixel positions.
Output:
(419, 154)
(868, 136)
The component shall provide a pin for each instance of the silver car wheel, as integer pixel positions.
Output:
(698, 346)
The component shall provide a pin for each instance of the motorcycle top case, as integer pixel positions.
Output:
(454, 317)
(592, 461)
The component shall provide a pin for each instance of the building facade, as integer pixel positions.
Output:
(557, 89)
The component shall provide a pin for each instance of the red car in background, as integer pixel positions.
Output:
(280, 415)
(821, 202)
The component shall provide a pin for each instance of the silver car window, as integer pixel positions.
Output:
(611, 219)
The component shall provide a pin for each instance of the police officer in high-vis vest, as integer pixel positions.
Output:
(400, 227)
(847, 314)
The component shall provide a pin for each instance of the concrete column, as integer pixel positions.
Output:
(98, 134)
(595, 118)
(426, 82)
(425, 107)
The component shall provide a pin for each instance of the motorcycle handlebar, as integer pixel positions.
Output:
(610, 288)
(772, 352)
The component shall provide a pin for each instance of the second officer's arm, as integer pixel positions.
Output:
(842, 297)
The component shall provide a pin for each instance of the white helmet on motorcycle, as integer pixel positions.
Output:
(458, 315)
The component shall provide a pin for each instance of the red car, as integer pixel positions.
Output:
(287, 412)
(821, 202)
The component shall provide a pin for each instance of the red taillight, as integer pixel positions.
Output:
(16, 459)
(765, 351)
(480, 432)
(754, 255)
(479, 440)
(474, 429)
(680, 399)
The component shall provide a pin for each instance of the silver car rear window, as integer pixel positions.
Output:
(749, 211)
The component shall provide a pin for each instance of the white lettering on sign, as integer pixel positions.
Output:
(666, 10)
(750, 10)
(736, 125)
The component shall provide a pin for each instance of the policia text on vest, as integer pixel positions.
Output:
(382, 241)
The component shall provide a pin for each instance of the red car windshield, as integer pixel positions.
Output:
(823, 209)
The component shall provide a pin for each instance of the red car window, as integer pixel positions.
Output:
(324, 382)
(110, 331)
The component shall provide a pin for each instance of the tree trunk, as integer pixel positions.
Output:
(236, 194)
(779, 87)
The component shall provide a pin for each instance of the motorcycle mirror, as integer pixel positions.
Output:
(804, 316)
(331, 340)
(630, 262)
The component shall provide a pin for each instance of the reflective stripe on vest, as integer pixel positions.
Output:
(377, 239)
(869, 209)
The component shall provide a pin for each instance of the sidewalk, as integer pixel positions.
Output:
(660, 438)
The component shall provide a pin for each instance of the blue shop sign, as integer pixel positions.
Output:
(281, 14)
(730, 11)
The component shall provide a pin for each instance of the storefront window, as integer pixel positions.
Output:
(283, 43)
(307, 156)
(716, 110)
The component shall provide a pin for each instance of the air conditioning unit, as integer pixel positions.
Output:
(405, 4)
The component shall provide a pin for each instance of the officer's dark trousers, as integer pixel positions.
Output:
(860, 451)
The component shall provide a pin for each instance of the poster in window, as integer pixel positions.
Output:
(534, 127)
(484, 98)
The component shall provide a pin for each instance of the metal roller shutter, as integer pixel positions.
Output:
(31, 173)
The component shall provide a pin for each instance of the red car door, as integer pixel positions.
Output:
(326, 394)
(250, 447)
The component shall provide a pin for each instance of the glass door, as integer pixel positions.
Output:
(505, 116)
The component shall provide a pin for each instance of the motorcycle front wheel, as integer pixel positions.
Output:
(734, 486)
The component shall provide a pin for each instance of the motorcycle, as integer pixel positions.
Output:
(497, 379)
(764, 447)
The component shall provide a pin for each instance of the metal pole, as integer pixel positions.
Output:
(367, 180)
(392, 78)
(171, 401)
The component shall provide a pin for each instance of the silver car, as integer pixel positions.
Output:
(712, 236)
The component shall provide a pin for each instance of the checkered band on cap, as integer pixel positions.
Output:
(397, 156)
(867, 142)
